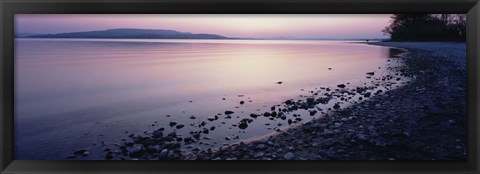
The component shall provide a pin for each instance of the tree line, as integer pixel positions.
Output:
(427, 27)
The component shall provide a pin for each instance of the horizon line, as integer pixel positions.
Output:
(227, 37)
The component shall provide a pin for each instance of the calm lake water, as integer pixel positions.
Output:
(82, 93)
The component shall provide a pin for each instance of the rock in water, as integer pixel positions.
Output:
(371, 73)
(288, 156)
(288, 102)
(180, 126)
(367, 94)
(196, 135)
(341, 86)
(243, 125)
(336, 106)
(205, 131)
(273, 114)
(157, 134)
(172, 124)
(280, 82)
(242, 102)
(188, 140)
(229, 112)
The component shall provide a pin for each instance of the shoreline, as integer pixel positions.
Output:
(386, 123)
(395, 130)
(452, 51)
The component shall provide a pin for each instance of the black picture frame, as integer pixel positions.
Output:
(8, 8)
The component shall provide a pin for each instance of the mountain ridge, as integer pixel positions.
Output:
(125, 33)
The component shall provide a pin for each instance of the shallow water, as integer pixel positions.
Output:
(78, 93)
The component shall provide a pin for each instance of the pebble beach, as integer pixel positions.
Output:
(423, 120)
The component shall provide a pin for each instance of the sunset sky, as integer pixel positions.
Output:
(345, 26)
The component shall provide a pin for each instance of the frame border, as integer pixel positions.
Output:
(8, 8)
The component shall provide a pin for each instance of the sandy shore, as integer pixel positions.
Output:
(421, 120)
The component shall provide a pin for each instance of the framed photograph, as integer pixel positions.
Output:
(233, 87)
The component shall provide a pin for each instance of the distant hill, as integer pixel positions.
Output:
(26, 34)
(125, 33)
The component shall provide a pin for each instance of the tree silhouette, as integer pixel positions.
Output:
(427, 27)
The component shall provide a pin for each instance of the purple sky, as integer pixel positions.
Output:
(259, 26)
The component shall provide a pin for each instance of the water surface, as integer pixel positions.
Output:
(82, 93)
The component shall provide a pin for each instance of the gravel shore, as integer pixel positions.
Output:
(414, 110)
(452, 51)
(425, 119)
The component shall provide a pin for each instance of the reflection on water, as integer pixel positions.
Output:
(80, 93)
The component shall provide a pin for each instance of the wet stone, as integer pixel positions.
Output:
(273, 114)
(163, 153)
(288, 102)
(336, 106)
(261, 146)
(135, 151)
(80, 152)
(205, 131)
(266, 114)
(259, 155)
(329, 141)
(362, 137)
(288, 156)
